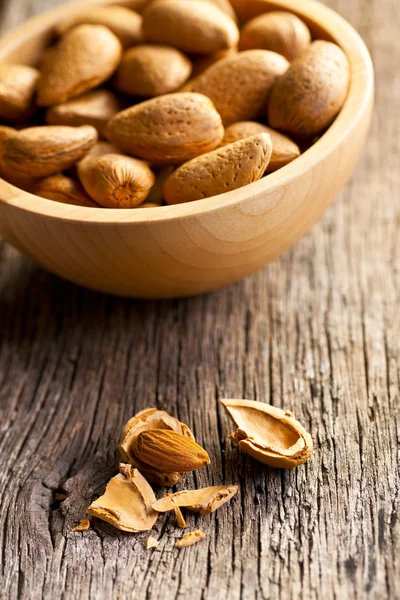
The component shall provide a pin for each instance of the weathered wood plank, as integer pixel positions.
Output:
(317, 331)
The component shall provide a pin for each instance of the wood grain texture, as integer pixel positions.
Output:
(318, 331)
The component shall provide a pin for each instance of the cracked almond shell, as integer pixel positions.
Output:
(204, 501)
(284, 150)
(17, 91)
(115, 180)
(126, 24)
(61, 188)
(268, 434)
(148, 420)
(191, 538)
(41, 151)
(195, 27)
(94, 108)
(308, 97)
(225, 169)
(279, 31)
(85, 57)
(127, 502)
(152, 70)
(239, 85)
(167, 130)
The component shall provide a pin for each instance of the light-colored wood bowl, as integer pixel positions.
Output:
(195, 247)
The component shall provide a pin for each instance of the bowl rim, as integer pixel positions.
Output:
(360, 95)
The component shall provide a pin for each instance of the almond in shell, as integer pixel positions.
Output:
(151, 419)
(152, 70)
(17, 90)
(167, 130)
(225, 169)
(308, 97)
(41, 151)
(239, 85)
(5, 132)
(94, 108)
(278, 31)
(85, 57)
(126, 24)
(61, 188)
(197, 26)
(115, 180)
(284, 150)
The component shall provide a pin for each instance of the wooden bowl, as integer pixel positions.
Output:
(191, 248)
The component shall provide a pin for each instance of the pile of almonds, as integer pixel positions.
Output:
(169, 106)
(159, 449)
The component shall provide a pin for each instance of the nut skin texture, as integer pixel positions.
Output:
(41, 151)
(115, 180)
(279, 31)
(306, 100)
(94, 108)
(5, 132)
(239, 85)
(151, 70)
(123, 22)
(168, 130)
(197, 26)
(17, 89)
(248, 9)
(284, 150)
(225, 169)
(61, 188)
(85, 57)
(169, 451)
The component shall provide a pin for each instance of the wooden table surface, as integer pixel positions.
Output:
(317, 331)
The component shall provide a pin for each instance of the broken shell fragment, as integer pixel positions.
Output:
(148, 420)
(127, 502)
(204, 501)
(268, 434)
(151, 543)
(84, 525)
(189, 539)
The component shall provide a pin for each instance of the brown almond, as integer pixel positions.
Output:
(239, 85)
(127, 502)
(41, 151)
(169, 451)
(85, 57)
(94, 108)
(115, 180)
(169, 129)
(225, 169)
(268, 434)
(203, 62)
(123, 22)
(150, 419)
(279, 31)
(148, 71)
(17, 90)
(308, 97)
(5, 132)
(101, 148)
(284, 150)
(248, 9)
(61, 188)
(155, 197)
(197, 26)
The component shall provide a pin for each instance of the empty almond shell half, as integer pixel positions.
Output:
(268, 434)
